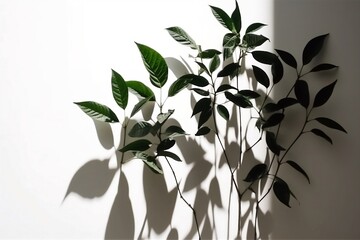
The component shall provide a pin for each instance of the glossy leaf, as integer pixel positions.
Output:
(320, 133)
(313, 48)
(214, 63)
(261, 76)
(119, 89)
(254, 27)
(141, 90)
(282, 191)
(249, 93)
(204, 116)
(200, 91)
(277, 70)
(181, 83)
(323, 67)
(230, 41)
(202, 131)
(155, 64)
(330, 123)
(165, 145)
(150, 161)
(324, 94)
(98, 111)
(298, 168)
(238, 100)
(223, 112)
(272, 144)
(253, 40)
(198, 81)
(203, 68)
(209, 53)
(236, 18)
(161, 119)
(181, 36)
(170, 155)
(264, 57)
(138, 145)
(200, 105)
(138, 106)
(287, 58)
(273, 120)
(140, 129)
(229, 69)
(222, 17)
(174, 131)
(302, 93)
(256, 173)
(225, 87)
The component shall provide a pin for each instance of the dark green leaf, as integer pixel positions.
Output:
(277, 70)
(254, 27)
(209, 53)
(204, 116)
(272, 107)
(200, 91)
(256, 173)
(298, 168)
(282, 191)
(165, 145)
(286, 102)
(161, 119)
(170, 155)
(287, 58)
(320, 133)
(181, 36)
(261, 76)
(330, 123)
(236, 19)
(203, 68)
(179, 85)
(214, 63)
(249, 93)
(302, 93)
(222, 17)
(323, 67)
(238, 100)
(119, 89)
(313, 48)
(202, 104)
(138, 145)
(273, 120)
(199, 81)
(97, 111)
(225, 87)
(155, 64)
(230, 41)
(229, 69)
(174, 131)
(150, 161)
(272, 144)
(140, 129)
(223, 112)
(253, 40)
(138, 106)
(202, 131)
(140, 89)
(264, 57)
(324, 94)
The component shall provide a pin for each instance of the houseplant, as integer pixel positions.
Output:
(221, 93)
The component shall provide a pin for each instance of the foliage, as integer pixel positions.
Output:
(219, 92)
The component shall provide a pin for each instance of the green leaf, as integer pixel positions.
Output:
(225, 87)
(298, 168)
(256, 173)
(138, 145)
(273, 120)
(155, 64)
(253, 40)
(230, 41)
(181, 83)
(272, 107)
(209, 53)
(203, 103)
(98, 111)
(119, 89)
(140, 129)
(302, 93)
(272, 144)
(174, 131)
(254, 27)
(170, 155)
(330, 123)
(229, 69)
(150, 161)
(141, 90)
(165, 145)
(198, 81)
(222, 17)
(261, 76)
(236, 18)
(249, 93)
(313, 48)
(286, 102)
(287, 58)
(203, 68)
(323, 67)
(320, 133)
(324, 94)
(214, 63)
(181, 36)
(277, 70)
(204, 116)
(200, 91)
(138, 106)
(264, 57)
(223, 112)
(238, 100)
(161, 119)
(282, 191)
(202, 131)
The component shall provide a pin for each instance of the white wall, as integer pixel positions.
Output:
(53, 53)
